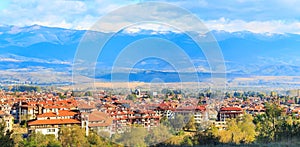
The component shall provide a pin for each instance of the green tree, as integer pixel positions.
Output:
(95, 140)
(187, 141)
(40, 140)
(131, 97)
(88, 93)
(268, 124)
(5, 135)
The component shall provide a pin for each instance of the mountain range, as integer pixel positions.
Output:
(46, 49)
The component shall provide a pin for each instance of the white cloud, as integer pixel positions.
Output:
(255, 15)
(4, 59)
(273, 26)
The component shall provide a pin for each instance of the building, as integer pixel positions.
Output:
(8, 120)
(221, 125)
(198, 112)
(97, 121)
(229, 113)
(145, 118)
(51, 122)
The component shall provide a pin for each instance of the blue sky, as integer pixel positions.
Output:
(258, 16)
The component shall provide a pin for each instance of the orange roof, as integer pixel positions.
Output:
(66, 113)
(53, 122)
(231, 109)
(2, 113)
(49, 114)
(60, 113)
(296, 110)
(100, 116)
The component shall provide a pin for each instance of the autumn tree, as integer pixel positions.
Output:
(73, 136)
(191, 124)
(95, 140)
(134, 137)
(173, 141)
(158, 134)
(238, 131)
(208, 137)
(248, 129)
(17, 139)
(5, 135)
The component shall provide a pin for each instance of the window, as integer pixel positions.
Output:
(50, 130)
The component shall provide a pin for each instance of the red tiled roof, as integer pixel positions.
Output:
(49, 114)
(201, 108)
(54, 122)
(164, 106)
(66, 113)
(60, 113)
(231, 109)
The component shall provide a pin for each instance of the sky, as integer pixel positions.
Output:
(257, 16)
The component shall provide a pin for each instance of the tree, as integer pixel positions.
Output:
(95, 140)
(228, 95)
(134, 137)
(191, 124)
(40, 140)
(177, 123)
(187, 141)
(158, 135)
(131, 97)
(208, 137)
(238, 131)
(88, 93)
(248, 128)
(173, 141)
(268, 124)
(238, 94)
(73, 136)
(17, 139)
(233, 134)
(5, 135)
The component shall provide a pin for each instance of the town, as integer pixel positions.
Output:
(108, 115)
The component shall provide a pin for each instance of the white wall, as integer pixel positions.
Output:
(45, 131)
